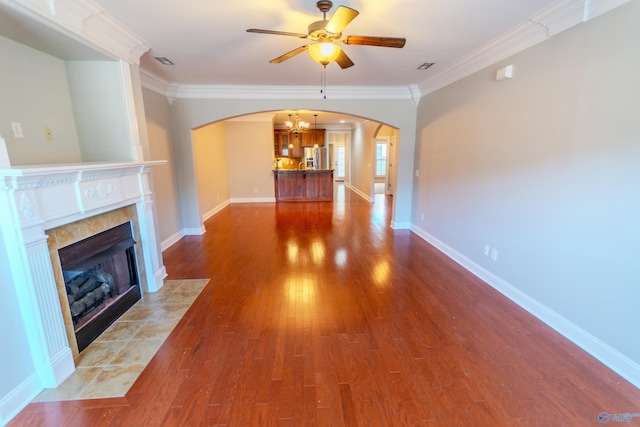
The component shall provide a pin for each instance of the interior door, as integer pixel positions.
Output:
(339, 162)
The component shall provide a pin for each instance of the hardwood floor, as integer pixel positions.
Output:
(319, 314)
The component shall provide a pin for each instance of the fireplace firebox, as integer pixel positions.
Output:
(101, 280)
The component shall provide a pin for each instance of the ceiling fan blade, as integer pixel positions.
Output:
(288, 55)
(375, 41)
(341, 19)
(343, 60)
(277, 33)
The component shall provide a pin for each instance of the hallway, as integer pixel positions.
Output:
(321, 314)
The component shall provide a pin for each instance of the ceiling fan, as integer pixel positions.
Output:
(324, 33)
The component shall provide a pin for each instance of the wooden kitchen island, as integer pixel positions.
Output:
(294, 185)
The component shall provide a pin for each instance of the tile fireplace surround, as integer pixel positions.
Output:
(34, 199)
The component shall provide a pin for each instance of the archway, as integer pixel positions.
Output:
(190, 114)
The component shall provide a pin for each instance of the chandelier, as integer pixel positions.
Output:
(296, 126)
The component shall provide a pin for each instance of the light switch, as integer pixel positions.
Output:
(48, 135)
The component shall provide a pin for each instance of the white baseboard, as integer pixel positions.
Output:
(609, 356)
(361, 194)
(195, 231)
(167, 243)
(159, 276)
(401, 225)
(18, 398)
(215, 210)
(170, 241)
(63, 366)
(253, 200)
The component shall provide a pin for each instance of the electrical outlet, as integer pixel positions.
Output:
(417, 172)
(422, 217)
(487, 249)
(16, 128)
(494, 254)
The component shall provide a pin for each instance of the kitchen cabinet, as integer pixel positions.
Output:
(314, 136)
(281, 141)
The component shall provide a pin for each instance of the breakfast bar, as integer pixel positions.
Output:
(299, 185)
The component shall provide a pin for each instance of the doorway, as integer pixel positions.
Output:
(382, 164)
(338, 142)
(340, 162)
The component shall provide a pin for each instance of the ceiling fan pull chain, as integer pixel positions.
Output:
(323, 81)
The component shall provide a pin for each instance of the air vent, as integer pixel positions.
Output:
(164, 60)
(425, 65)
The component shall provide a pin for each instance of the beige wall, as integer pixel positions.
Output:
(101, 111)
(158, 125)
(545, 168)
(361, 160)
(210, 157)
(250, 160)
(35, 93)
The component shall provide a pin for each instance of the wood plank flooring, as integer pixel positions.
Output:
(319, 314)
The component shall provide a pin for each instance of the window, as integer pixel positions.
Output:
(381, 159)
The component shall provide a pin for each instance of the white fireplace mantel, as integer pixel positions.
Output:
(37, 198)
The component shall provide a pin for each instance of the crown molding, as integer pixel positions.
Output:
(155, 83)
(557, 17)
(86, 22)
(595, 8)
(191, 91)
(291, 92)
(550, 21)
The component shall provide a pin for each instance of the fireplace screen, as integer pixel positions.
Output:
(101, 280)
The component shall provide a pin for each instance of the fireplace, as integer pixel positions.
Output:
(44, 208)
(101, 280)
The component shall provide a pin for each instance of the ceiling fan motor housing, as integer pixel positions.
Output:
(317, 32)
(324, 5)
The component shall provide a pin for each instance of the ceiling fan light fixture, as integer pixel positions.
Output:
(324, 52)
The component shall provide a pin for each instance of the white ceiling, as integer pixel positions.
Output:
(208, 42)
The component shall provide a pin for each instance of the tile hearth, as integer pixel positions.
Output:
(110, 365)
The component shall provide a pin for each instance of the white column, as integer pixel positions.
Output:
(35, 285)
(154, 267)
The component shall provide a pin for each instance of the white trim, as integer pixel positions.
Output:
(195, 231)
(160, 274)
(155, 83)
(86, 22)
(215, 210)
(191, 91)
(400, 225)
(16, 400)
(361, 194)
(171, 240)
(594, 8)
(559, 16)
(253, 200)
(257, 117)
(609, 356)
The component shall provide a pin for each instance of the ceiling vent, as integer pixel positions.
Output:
(425, 65)
(164, 60)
